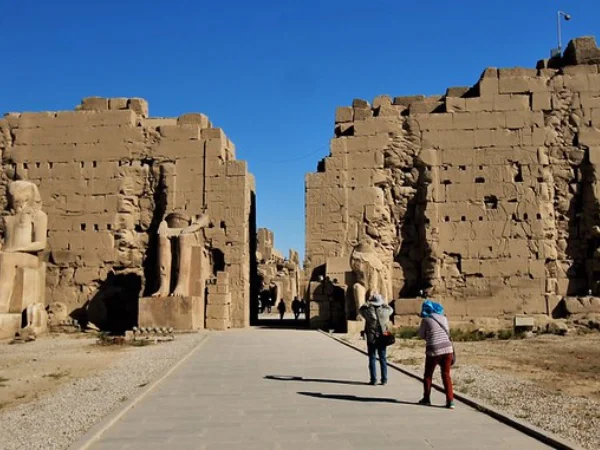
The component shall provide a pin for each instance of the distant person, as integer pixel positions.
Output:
(296, 308)
(376, 314)
(260, 306)
(303, 306)
(269, 304)
(439, 350)
(281, 308)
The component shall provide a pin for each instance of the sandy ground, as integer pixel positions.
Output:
(569, 364)
(54, 389)
(34, 369)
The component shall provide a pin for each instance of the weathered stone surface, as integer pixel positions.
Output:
(487, 198)
(57, 313)
(557, 327)
(181, 313)
(9, 325)
(457, 91)
(344, 115)
(581, 305)
(194, 118)
(107, 174)
(581, 50)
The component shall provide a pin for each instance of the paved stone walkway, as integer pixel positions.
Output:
(289, 389)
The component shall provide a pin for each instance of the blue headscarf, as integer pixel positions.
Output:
(428, 308)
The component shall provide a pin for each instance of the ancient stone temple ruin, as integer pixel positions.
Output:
(124, 219)
(486, 197)
(279, 277)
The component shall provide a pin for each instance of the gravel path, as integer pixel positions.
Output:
(574, 418)
(58, 419)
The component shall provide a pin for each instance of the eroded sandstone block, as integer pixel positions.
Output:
(10, 324)
(180, 313)
(582, 50)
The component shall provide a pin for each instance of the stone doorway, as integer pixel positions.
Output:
(270, 317)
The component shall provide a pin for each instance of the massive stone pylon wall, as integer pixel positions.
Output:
(485, 197)
(108, 173)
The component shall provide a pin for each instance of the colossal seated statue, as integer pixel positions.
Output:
(37, 318)
(370, 272)
(25, 234)
(177, 226)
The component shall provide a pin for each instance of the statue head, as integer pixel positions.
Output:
(365, 263)
(177, 219)
(24, 194)
(380, 214)
(364, 255)
(364, 247)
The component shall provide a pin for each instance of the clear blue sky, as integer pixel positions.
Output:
(271, 73)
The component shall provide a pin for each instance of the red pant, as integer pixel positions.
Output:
(444, 361)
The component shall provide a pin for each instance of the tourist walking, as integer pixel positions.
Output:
(281, 308)
(296, 308)
(303, 306)
(439, 350)
(269, 304)
(376, 314)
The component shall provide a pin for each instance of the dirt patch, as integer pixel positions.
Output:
(34, 369)
(569, 364)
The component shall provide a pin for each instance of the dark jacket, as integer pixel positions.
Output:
(296, 305)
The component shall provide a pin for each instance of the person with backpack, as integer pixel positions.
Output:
(439, 350)
(376, 314)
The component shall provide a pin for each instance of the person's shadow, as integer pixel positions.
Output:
(355, 398)
(313, 380)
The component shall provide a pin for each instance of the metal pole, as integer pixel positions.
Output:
(558, 31)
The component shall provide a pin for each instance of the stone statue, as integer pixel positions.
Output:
(57, 313)
(185, 231)
(380, 227)
(371, 274)
(24, 237)
(37, 318)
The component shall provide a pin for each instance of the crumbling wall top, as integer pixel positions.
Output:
(581, 50)
(139, 105)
